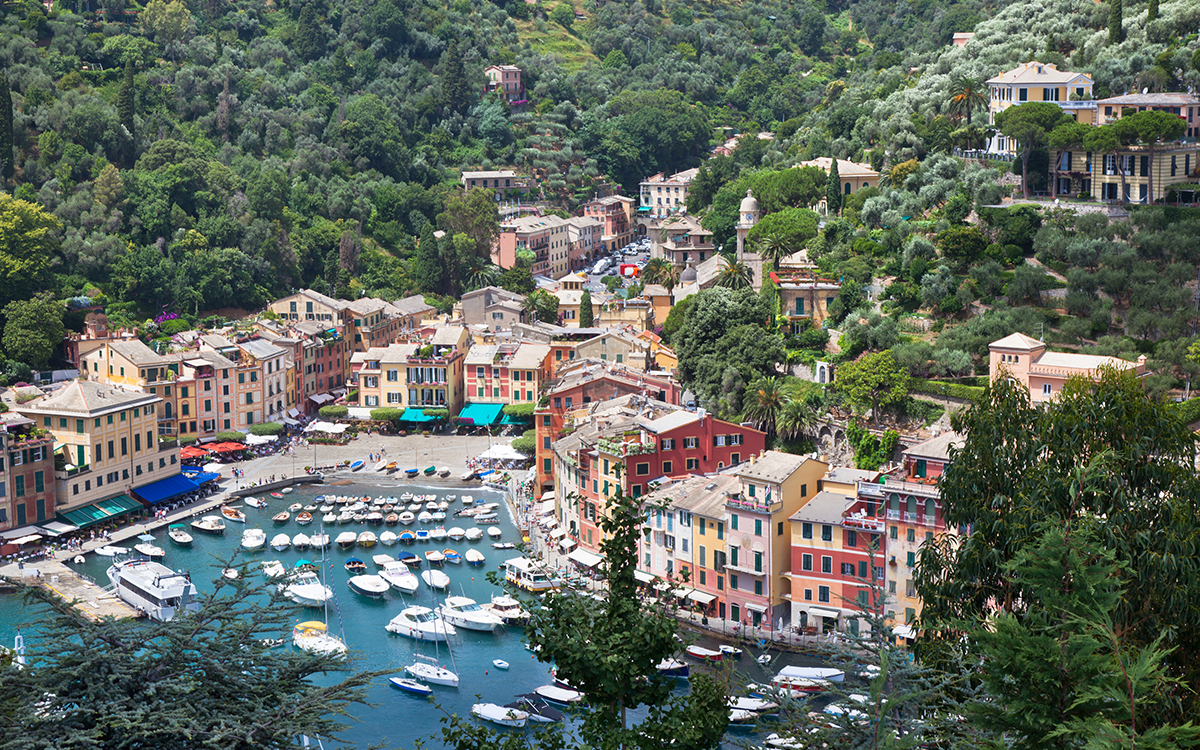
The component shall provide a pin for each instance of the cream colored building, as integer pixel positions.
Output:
(108, 437)
(664, 195)
(1026, 361)
(1039, 82)
(854, 175)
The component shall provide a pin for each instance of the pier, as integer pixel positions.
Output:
(90, 599)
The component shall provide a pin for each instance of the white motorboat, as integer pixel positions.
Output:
(280, 542)
(757, 705)
(467, 501)
(288, 490)
(256, 502)
(388, 538)
(301, 541)
(435, 579)
(507, 609)
(499, 664)
(346, 516)
(110, 551)
(560, 695)
(439, 516)
(273, 569)
(421, 623)
(231, 574)
(456, 533)
(399, 577)
(295, 507)
(368, 585)
(178, 534)
(346, 539)
(209, 525)
(320, 540)
(382, 559)
(474, 557)
(330, 518)
(742, 716)
(812, 673)
(438, 534)
(783, 742)
(493, 532)
(463, 612)
(254, 539)
(315, 638)
(474, 534)
(407, 518)
(151, 551)
(505, 717)
(306, 588)
(153, 588)
(432, 672)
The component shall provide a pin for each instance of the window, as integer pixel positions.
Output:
(806, 530)
(720, 583)
(691, 442)
(733, 583)
(847, 569)
(891, 587)
(546, 466)
(1022, 95)
(779, 529)
(733, 556)
(758, 527)
(851, 538)
(733, 521)
(758, 588)
(893, 532)
(668, 444)
(826, 533)
(910, 614)
(758, 559)
(641, 469)
(912, 535)
(703, 552)
(20, 483)
(823, 593)
(911, 559)
(668, 466)
(826, 564)
(693, 464)
(909, 588)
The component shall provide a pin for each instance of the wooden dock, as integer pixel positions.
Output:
(89, 598)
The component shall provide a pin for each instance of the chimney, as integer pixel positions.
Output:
(753, 456)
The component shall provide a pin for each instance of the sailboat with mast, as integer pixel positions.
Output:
(313, 636)
(429, 668)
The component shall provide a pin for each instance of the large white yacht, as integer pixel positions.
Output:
(154, 588)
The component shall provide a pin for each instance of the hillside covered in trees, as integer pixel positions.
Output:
(198, 156)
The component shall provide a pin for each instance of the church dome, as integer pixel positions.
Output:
(749, 204)
(688, 276)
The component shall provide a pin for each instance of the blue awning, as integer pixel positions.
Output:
(481, 414)
(165, 489)
(412, 414)
(204, 476)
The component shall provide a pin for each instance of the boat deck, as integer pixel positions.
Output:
(89, 598)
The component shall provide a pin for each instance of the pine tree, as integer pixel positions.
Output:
(308, 42)
(455, 89)
(586, 314)
(1116, 33)
(833, 189)
(1152, 11)
(125, 109)
(6, 129)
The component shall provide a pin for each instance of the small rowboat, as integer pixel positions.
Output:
(703, 654)
(452, 556)
(412, 472)
(410, 559)
(276, 494)
(281, 517)
(356, 465)
(295, 508)
(233, 514)
(391, 519)
(288, 490)
(178, 534)
(435, 558)
(430, 471)
(379, 466)
(304, 519)
(255, 502)
(499, 664)
(411, 686)
(443, 472)
(230, 573)
(354, 565)
(390, 467)
(474, 557)
(733, 651)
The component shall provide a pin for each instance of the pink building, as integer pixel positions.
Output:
(1026, 361)
(505, 81)
(616, 213)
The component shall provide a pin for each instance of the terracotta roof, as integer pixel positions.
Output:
(1035, 73)
(1017, 341)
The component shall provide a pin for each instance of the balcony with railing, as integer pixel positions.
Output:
(741, 502)
(618, 447)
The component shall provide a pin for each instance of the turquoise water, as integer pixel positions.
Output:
(396, 717)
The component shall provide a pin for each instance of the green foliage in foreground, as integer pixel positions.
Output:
(266, 428)
(209, 680)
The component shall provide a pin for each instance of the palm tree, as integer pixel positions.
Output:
(655, 271)
(773, 247)
(764, 402)
(735, 274)
(480, 273)
(797, 416)
(967, 95)
(670, 278)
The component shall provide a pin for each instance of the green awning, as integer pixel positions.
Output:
(415, 415)
(481, 414)
(509, 419)
(90, 515)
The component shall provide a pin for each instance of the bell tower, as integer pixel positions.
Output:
(748, 216)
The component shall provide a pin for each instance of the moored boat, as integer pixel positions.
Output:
(305, 588)
(463, 612)
(280, 542)
(452, 556)
(388, 538)
(435, 558)
(502, 715)
(153, 588)
(411, 686)
(346, 539)
(429, 670)
(178, 534)
(368, 585)
(421, 623)
(354, 565)
(367, 539)
(232, 514)
(507, 609)
(254, 539)
(398, 576)
(436, 579)
(410, 559)
(301, 541)
(538, 708)
(674, 668)
(314, 637)
(703, 654)
(560, 695)
(304, 518)
(151, 551)
(474, 557)
(473, 534)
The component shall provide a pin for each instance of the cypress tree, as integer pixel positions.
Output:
(586, 314)
(1152, 11)
(426, 267)
(6, 129)
(455, 89)
(125, 108)
(1116, 33)
(833, 189)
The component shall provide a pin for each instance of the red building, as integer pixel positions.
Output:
(26, 479)
(586, 381)
(615, 212)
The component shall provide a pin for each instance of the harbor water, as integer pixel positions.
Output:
(397, 718)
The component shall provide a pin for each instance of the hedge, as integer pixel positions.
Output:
(231, 436)
(266, 429)
(336, 411)
(436, 413)
(943, 388)
(386, 414)
(1188, 411)
(519, 411)
(526, 445)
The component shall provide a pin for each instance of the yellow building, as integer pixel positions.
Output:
(854, 175)
(109, 439)
(1127, 173)
(1039, 82)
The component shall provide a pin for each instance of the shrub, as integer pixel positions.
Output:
(945, 388)
(336, 411)
(436, 413)
(386, 414)
(526, 445)
(266, 429)
(519, 411)
(232, 436)
(1188, 411)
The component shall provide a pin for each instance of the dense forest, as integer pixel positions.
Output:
(200, 157)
